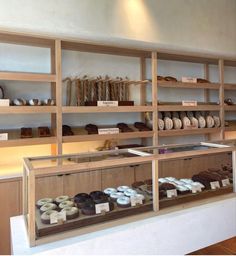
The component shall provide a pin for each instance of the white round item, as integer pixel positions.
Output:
(116, 195)
(201, 122)
(124, 200)
(60, 199)
(34, 102)
(194, 121)
(186, 122)
(49, 102)
(216, 121)
(109, 191)
(210, 121)
(45, 217)
(122, 188)
(19, 102)
(177, 123)
(161, 124)
(138, 197)
(130, 192)
(71, 212)
(47, 207)
(43, 201)
(168, 123)
(66, 204)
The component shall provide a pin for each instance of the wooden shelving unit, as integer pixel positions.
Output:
(54, 78)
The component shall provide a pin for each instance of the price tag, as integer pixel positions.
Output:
(99, 208)
(5, 103)
(107, 103)
(171, 193)
(196, 188)
(58, 217)
(215, 184)
(135, 200)
(225, 182)
(189, 103)
(189, 79)
(3, 136)
(108, 131)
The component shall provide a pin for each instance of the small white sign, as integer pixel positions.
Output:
(57, 217)
(189, 103)
(99, 208)
(5, 103)
(135, 200)
(171, 193)
(215, 184)
(107, 103)
(3, 136)
(225, 182)
(196, 188)
(108, 131)
(189, 79)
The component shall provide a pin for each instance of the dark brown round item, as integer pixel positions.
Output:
(137, 184)
(66, 130)
(166, 186)
(88, 208)
(201, 80)
(228, 101)
(170, 78)
(99, 197)
(148, 182)
(202, 180)
(160, 78)
(82, 199)
(141, 126)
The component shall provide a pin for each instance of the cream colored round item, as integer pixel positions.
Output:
(168, 123)
(138, 197)
(186, 122)
(210, 121)
(43, 201)
(124, 200)
(47, 207)
(189, 114)
(19, 102)
(130, 192)
(46, 215)
(201, 122)
(177, 123)
(66, 204)
(216, 121)
(194, 121)
(116, 195)
(60, 199)
(161, 124)
(34, 102)
(49, 102)
(167, 114)
(175, 114)
(70, 210)
(122, 188)
(109, 191)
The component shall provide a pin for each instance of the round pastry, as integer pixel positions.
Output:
(123, 202)
(201, 120)
(186, 122)
(71, 212)
(177, 123)
(170, 78)
(122, 188)
(89, 208)
(216, 121)
(43, 201)
(66, 204)
(34, 102)
(99, 197)
(60, 199)
(49, 102)
(48, 206)
(210, 121)
(161, 124)
(228, 101)
(130, 192)
(193, 121)
(19, 102)
(139, 197)
(81, 199)
(162, 180)
(109, 191)
(45, 217)
(116, 195)
(168, 123)
(137, 184)
(160, 78)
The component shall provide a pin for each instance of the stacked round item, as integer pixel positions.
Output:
(33, 102)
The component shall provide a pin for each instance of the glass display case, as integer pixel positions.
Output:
(68, 193)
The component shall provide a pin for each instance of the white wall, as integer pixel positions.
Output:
(206, 25)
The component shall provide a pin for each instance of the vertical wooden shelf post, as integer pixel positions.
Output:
(154, 99)
(221, 98)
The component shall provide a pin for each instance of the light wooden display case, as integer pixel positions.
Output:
(93, 171)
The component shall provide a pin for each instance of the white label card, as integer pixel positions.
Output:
(171, 193)
(215, 184)
(57, 217)
(196, 188)
(5, 103)
(189, 103)
(107, 103)
(99, 208)
(108, 131)
(225, 182)
(135, 200)
(3, 136)
(189, 79)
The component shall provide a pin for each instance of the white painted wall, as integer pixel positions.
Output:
(206, 25)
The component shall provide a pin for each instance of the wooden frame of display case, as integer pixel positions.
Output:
(31, 173)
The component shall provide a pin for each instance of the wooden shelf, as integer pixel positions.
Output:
(230, 86)
(28, 109)
(166, 84)
(186, 108)
(30, 77)
(230, 108)
(121, 109)
(182, 132)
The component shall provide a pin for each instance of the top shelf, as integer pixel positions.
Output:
(167, 84)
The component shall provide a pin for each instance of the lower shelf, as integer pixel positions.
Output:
(182, 132)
